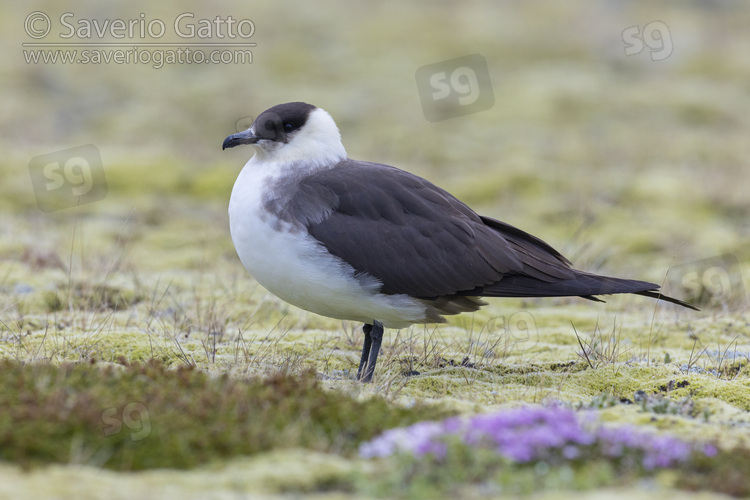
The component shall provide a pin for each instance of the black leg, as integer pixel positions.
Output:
(370, 351)
(365, 350)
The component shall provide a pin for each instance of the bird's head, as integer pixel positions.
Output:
(295, 131)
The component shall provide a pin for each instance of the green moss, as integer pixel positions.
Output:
(293, 470)
(52, 301)
(723, 473)
(143, 416)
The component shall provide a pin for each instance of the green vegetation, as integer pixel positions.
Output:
(145, 416)
(135, 310)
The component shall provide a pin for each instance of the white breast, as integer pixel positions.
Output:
(294, 266)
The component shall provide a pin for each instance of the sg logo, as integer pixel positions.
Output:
(462, 80)
(75, 171)
(655, 36)
(516, 333)
(714, 283)
(134, 416)
(455, 88)
(68, 178)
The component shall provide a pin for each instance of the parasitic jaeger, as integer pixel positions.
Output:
(372, 243)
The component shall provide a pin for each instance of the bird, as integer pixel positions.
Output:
(375, 244)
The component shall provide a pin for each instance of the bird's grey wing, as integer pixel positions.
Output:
(414, 237)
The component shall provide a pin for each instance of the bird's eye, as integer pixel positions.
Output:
(288, 127)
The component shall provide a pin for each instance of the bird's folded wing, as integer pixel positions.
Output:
(414, 237)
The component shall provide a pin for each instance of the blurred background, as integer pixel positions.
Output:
(617, 131)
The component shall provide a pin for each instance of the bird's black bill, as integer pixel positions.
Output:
(238, 139)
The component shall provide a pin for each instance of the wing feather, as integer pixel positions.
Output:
(416, 238)
(419, 240)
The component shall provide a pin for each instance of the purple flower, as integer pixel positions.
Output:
(527, 434)
(418, 439)
(709, 450)
(571, 452)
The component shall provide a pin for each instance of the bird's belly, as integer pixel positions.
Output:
(295, 267)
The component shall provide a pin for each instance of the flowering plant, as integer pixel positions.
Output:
(552, 434)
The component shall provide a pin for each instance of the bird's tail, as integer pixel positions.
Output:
(655, 294)
(582, 284)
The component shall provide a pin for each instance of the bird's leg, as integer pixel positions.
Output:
(370, 351)
(365, 350)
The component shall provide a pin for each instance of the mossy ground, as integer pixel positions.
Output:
(629, 166)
